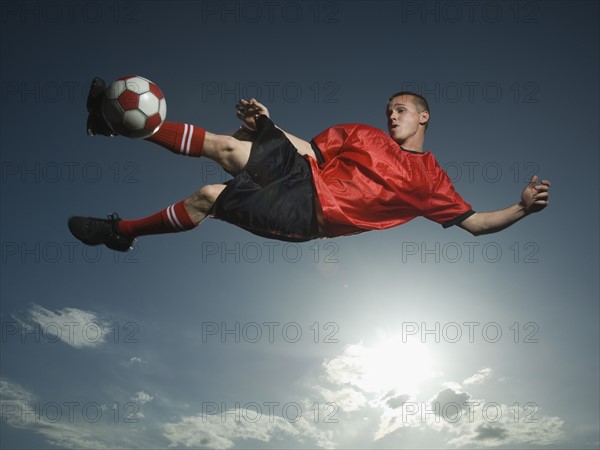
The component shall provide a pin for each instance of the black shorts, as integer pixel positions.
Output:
(274, 195)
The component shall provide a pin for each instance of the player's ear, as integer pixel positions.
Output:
(424, 117)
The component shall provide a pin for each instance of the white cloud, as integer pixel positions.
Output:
(448, 403)
(474, 422)
(399, 415)
(452, 385)
(13, 391)
(133, 361)
(347, 399)
(452, 413)
(18, 410)
(141, 397)
(72, 326)
(219, 431)
(479, 377)
(365, 413)
(397, 401)
(83, 424)
(490, 424)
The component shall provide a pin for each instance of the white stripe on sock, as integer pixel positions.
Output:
(173, 218)
(189, 142)
(185, 131)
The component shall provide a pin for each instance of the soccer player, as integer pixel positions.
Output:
(348, 179)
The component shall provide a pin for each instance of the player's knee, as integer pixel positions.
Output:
(210, 192)
(204, 198)
(229, 152)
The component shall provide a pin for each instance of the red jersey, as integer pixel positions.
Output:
(367, 182)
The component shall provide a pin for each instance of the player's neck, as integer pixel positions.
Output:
(413, 143)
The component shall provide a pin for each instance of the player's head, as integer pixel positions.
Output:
(408, 115)
(418, 100)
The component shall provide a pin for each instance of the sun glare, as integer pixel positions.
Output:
(393, 365)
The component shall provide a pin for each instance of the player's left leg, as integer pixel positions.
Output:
(118, 234)
(192, 140)
(179, 138)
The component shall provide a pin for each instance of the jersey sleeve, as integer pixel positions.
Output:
(330, 142)
(446, 206)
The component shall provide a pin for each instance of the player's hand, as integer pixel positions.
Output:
(535, 195)
(247, 110)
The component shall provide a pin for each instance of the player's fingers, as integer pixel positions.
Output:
(254, 103)
(244, 105)
(544, 183)
(259, 105)
(251, 104)
(247, 110)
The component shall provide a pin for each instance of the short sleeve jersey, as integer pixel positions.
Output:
(366, 181)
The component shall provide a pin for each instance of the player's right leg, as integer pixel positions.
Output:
(119, 234)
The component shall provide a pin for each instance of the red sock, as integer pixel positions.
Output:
(180, 138)
(170, 220)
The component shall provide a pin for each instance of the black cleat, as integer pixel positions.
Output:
(97, 90)
(96, 125)
(93, 231)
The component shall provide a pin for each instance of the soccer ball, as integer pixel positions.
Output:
(134, 107)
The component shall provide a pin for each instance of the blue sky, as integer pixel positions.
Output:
(414, 337)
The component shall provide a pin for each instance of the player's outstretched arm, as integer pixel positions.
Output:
(247, 110)
(533, 199)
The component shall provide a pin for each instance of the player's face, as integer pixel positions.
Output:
(403, 118)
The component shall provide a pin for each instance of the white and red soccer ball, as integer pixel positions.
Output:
(134, 107)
